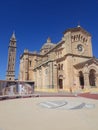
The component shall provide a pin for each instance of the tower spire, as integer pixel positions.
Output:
(13, 37)
(10, 75)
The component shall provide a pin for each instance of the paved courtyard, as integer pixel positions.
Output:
(49, 113)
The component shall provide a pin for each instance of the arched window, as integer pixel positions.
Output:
(79, 36)
(81, 78)
(61, 66)
(58, 66)
(92, 77)
(30, 62)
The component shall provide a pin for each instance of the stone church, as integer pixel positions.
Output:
(67, 65)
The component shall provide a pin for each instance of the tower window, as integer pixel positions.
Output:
(61, 66)
(30, 62)
(58, 66)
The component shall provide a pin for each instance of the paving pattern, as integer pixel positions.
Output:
(68, 105)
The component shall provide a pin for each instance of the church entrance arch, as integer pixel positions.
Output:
(92, 77)
(81, 79)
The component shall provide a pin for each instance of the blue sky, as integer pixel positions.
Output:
(35, 20)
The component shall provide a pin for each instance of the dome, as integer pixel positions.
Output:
(47, 46)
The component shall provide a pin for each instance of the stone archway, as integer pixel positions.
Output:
(92, 77)
(81, 79)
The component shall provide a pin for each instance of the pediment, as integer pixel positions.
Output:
(88, 62)
(76, 29)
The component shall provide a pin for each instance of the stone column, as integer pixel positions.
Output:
(86, 80)
(97, 80)
(26, 69)
(35, 77)
(55, 76)
(51, 75)
(77, 81)
(70, 71)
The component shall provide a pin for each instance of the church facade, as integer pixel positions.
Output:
(67, 65)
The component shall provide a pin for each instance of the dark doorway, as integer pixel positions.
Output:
(81, 78)
(60, 83)
(92, 77)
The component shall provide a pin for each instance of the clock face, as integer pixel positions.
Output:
(80, 48)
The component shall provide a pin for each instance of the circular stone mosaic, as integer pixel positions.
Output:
(68, 105)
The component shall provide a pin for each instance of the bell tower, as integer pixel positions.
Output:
(10, 74)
